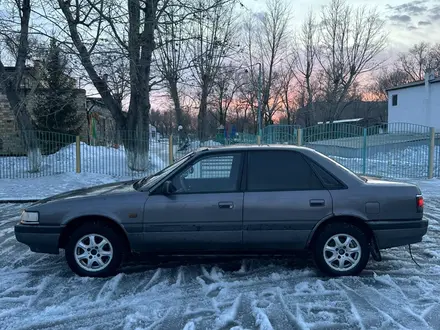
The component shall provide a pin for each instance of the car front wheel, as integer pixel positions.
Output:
(94, 250)
(341, 249)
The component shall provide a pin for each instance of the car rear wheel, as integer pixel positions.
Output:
(341, 249)
(94, 250)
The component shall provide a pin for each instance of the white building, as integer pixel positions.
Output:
(416, 103)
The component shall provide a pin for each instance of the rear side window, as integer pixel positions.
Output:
(327, 179)
(280, 171)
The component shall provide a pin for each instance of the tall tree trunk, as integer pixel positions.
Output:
(12, 86)
(203, 111)
(138, 120)
(176, 100)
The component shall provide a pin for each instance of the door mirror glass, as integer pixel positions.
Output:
(168, 188)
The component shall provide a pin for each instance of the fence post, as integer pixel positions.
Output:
(78, 154)
(170, 150)
(299, 137)
(258, 139)
(431, 153)
(364, 152)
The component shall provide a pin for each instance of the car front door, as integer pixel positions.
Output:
(205, 212)
(283, 201)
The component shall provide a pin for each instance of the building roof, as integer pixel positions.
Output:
(413, 84)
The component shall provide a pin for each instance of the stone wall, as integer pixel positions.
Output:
(10, 142)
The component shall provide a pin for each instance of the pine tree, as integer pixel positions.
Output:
(56, 109)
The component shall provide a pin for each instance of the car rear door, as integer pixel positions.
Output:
(283, 201)
(206, 211)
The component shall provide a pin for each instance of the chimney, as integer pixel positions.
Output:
(429, 75)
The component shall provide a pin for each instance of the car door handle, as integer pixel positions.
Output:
(317, 202)
(226, 205)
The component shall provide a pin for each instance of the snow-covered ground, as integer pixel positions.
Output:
(39, 291)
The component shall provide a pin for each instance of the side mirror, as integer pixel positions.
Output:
(168, 188)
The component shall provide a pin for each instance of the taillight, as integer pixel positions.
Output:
(420, 203)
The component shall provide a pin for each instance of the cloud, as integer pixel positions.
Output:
(424, 23)
(400, 18)
(415, 7)
(435, 13)
(411, 28)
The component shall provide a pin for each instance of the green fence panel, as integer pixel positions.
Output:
(398, 150)
(340, 141)
(280, 134)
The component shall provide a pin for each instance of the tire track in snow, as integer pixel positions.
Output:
(205, 296)
(388, 304)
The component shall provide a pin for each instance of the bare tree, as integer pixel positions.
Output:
(132, 29)
(288, 93)
(388, 78)
(266, 39)
(226, 86)
(420, 57)
(12, 83)
(350, 40)
(305, 60)
(273, 43)
(170, 56)
(213, 29)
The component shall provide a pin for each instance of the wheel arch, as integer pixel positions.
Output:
(360, 223)
(75, 223)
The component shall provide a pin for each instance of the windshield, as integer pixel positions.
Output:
(153, 179)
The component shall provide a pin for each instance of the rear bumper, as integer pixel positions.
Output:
(398, 233)
(43, 239)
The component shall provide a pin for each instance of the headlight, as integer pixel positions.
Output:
(29, 218)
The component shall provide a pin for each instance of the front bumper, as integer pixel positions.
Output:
(43, 239)
(398, 233)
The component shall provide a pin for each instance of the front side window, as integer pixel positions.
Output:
(276, 170)
(216, 173)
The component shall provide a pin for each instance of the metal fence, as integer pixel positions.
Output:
(395, 150)
(398, 150)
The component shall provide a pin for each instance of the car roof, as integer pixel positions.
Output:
(241, 147)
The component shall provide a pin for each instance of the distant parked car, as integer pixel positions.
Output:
(245, 200)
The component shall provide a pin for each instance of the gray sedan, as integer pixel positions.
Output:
(241, 200)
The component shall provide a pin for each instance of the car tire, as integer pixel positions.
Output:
(94, 250)
(334, 257)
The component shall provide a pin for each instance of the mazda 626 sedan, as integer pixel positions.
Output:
(241, 200)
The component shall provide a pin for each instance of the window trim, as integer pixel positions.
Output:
(199, 158)
(246, 187)
(342, 184)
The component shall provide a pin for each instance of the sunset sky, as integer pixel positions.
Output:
(408, 22)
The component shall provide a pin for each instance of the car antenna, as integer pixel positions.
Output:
(409, 245)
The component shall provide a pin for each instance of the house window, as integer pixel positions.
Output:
(394, 100)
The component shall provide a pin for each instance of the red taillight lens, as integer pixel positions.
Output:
(420, 203)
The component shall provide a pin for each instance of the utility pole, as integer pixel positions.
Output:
(259, 101)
